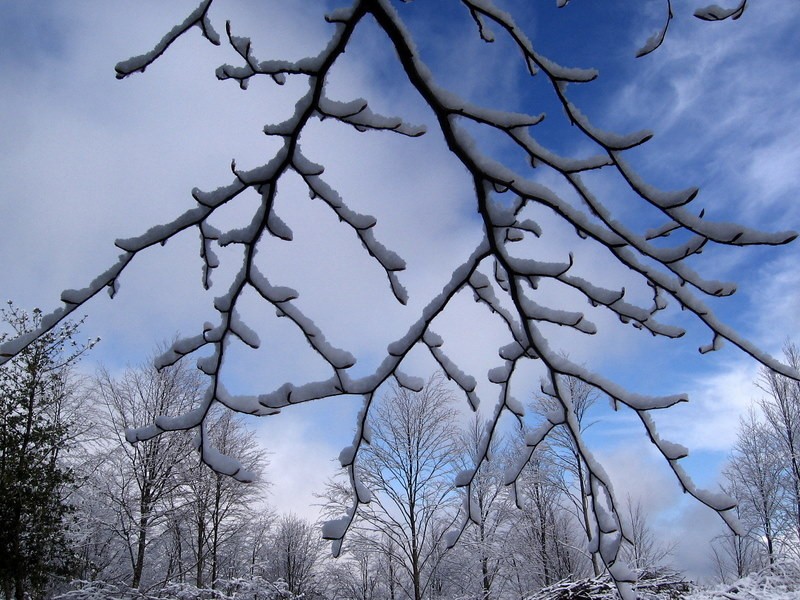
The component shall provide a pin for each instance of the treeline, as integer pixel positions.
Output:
(87, 515)
(763, 475)
(79, 502)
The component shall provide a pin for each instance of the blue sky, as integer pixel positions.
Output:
(87, 159)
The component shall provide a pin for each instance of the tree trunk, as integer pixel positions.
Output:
(201, 540)
(141, 541)
(485, 575)
(391, 582)
(796, 482)
(769, 535)
(215, 530)
(415, 572)
(141, 538)
(19, 586)
(179, 551)
(20, 574)
(543, 544)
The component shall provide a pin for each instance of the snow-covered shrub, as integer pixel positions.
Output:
(255, 588)
(651, 586)
(100, 590)
(780, 581)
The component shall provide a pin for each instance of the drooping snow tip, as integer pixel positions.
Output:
(335, 529)
(715, 12)
(500, 374)
(362, 491)
(535, 437)
(358, 114)
(340, 15)
(243, 331)
(186, 421)
(464, 477)
(515, 406)
(410, 382)
(222, 463)
(347, 455)
(450, 538)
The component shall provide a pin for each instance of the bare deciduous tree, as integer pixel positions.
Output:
(358, 577)
(408, 468)
(545, 533)
(644, 552)
(781, 407)
(483, 547)
(141, 478)
(763, 473)
(501, 274)
(563, 450)
(735, 556)
(221, 507)
(756, 473)
(295, 553)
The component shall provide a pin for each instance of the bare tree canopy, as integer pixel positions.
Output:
(764, 478)
(522, 200)
(408, 468)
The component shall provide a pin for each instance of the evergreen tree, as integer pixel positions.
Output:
(36, 391)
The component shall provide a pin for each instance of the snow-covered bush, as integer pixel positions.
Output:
(650, 586)
(100, 590)
(780, 581)
(255, 588)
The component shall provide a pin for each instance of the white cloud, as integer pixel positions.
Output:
(303, 445)
(717, 399)
(714, 96)
(776, 314)
(639, 473)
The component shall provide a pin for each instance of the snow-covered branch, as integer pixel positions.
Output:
(502, 273)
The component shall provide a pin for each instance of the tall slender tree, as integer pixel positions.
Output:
(645, 553)
(781, 408)
(218, 506)
(479, 559)
(36, 389)
(563, 451)
(756, 474)
(735, 556)
(407, 471)
(545, 535)
(140, 478)
(296, 551)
